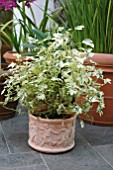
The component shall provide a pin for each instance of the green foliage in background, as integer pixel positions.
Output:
(26, 26)
(97, 18)
(56, 79)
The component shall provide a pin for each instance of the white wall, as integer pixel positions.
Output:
(37, 7)
(38, 12)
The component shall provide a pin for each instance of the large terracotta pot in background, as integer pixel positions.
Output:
(9, 57)
(4, 112)
(103, 59)
(105, 62)
(51, 135)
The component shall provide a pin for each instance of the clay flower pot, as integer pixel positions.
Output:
(103, 59)
(104, 62)
(6, 113)
(51, 135)
(10, 57)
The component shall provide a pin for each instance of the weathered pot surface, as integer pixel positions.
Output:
(105, 62)
(101, 59)
(51, 135)
(10, 56)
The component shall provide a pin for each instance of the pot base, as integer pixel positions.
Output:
(49, 150)
(7, 114)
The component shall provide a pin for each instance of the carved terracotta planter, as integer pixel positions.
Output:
(51, 135)
(105, 62)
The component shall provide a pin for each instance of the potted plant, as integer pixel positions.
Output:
(96, 17)
(8, 35)
(5, 112)
(26, 27)
(50, 87)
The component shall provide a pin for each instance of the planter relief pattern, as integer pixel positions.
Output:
(51, 136)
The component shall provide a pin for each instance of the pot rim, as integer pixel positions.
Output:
(72, 117)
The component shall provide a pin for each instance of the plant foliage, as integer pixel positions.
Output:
(52, 85)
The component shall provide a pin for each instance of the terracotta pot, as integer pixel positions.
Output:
(10, 57)
(6, 113)
(105, 62)
(51, 135)
(4, 49)
(103, 59)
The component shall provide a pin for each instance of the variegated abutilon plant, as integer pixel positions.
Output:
(56, 79)
(26, 24)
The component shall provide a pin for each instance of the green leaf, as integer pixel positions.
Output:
(39, 34)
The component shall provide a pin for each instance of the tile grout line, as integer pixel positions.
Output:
(102, 157)
(29, 166)
(44, 161)
(5, 138)
(97, 152)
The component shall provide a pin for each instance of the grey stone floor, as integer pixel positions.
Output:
(93, 150)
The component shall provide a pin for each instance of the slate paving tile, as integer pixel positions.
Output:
(22, 160)
(80, 140)
(38, 167)
(96, 135)
(16, 133)
(3, 145)
(81, 155)
(106, 151)
(62, 165)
